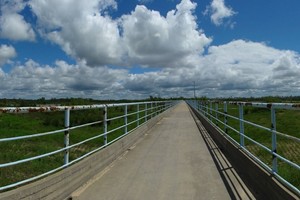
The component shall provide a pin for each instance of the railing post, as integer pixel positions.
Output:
(160, 108)
(66, 135)
(274, 140)
(210, 106)
(241, 118)
(199, 106)
(151, 110)
(156, 108)
(125, 119)
(207, 113)
(225, 117)
(146, 113)
(105, 124)
(216, 111)
(138, 114)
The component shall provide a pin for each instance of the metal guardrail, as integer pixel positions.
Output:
(141, 116)
(215, 116)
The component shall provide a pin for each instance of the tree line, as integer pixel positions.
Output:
(4, 102)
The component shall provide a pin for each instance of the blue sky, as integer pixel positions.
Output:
(115, 49)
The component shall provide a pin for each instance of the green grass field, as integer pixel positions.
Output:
(12, 125)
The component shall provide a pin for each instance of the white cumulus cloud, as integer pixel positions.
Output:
(152, 39)
(7, 52)
(174, 45)
(219, 11)
(143, 37)
(81, 28)
(12, 24)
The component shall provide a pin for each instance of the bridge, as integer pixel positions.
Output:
(175, 151)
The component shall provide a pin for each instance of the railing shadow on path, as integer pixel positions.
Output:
(233, 183)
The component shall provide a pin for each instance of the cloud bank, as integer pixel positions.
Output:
(173, 48)
(239, 68)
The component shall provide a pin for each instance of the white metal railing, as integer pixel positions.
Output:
(139, 116)
(215, 116)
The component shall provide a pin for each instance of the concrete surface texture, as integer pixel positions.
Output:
(171, 162)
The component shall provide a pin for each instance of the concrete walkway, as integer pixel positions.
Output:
(171, 162)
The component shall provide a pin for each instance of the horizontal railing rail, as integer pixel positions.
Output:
(127, 116)
(258, 141)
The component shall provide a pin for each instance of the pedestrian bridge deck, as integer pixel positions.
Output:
(176, 159)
